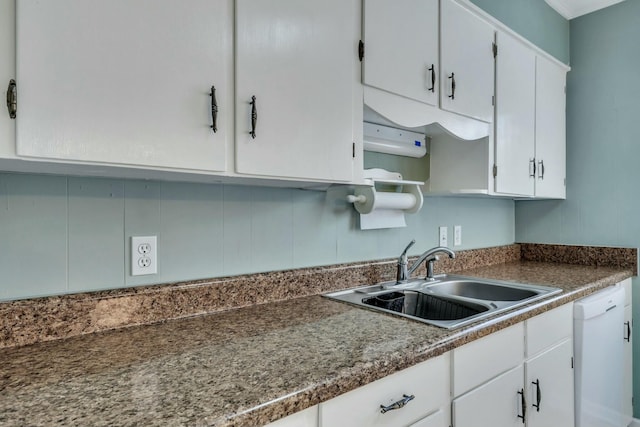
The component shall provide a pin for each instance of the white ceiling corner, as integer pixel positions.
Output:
(573, 8)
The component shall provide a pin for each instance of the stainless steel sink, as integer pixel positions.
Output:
(482, 290)
(448, 301)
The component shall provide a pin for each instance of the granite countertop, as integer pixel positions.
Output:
(248, 366)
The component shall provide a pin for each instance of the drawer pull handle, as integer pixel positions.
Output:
(538, 395)
(523, 402)
(397, 405)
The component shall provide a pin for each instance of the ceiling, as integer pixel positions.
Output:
(573, 8)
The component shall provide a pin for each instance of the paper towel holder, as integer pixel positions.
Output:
(406, 196)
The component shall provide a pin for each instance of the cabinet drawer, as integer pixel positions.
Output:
(428, 382)
(549, 328)
(481, 360)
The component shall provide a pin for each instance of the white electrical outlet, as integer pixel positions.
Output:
(457, 235)
(144, 255)
(443, 236)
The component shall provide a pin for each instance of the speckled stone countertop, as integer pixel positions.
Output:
(248, 366)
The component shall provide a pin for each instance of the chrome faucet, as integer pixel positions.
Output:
(430, 257)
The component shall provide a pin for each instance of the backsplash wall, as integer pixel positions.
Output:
(66, 234)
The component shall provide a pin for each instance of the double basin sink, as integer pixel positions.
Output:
(447, 301)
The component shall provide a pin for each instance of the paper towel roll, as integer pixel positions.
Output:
(367, 200)
(399, 201)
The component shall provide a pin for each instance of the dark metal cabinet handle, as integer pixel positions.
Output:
(397, 405)
(541, 169)
(523, 402)
(453, 86)
(214, 110)
(12, 99)
(254, 117)
(538, 395)
(628, 337)
(433, 78)
(532, 168)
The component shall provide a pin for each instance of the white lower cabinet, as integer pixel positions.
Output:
(494, 385)
(497, 403)
(427, 382)
(549, 387)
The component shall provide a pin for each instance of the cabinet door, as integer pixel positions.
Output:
(125, 81)
(497, 403)
(515, 115)
(627, 394)
(401, 41)
(7, 72)
(550, 129)
(466, 56)
(549, 385)
(298, 59)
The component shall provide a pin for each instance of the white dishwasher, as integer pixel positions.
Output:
(599, 358)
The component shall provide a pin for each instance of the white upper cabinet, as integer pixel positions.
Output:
(7, 73)
(401, 45)
(466, 61)
(550, 129)
(298, 58)
(515, 116)
(125, 81)
(530, 122)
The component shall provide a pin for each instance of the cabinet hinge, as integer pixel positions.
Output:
(571, 362)
(353, 150)
(495, 170)
(493, 100)
(495, 50)
(12, 99)
(361, 50)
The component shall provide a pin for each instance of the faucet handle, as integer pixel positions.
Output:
(403, 255)
(402, 275)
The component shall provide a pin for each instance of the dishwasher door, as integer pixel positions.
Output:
(599, 357)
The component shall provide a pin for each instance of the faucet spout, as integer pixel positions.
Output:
(430, 256)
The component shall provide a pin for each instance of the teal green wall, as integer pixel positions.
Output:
(603, 110)
(535, 20)
(64, 234)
